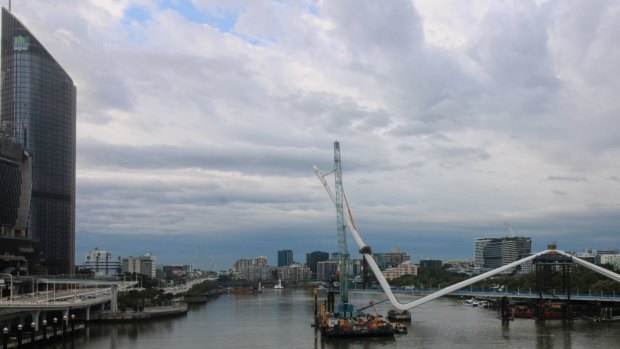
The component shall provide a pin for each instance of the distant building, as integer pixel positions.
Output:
(465, 266)
(391, 259)
(611, 259)
(431, 263)
(405, 268)
(285, 258)
(253, 269)
(101, 263)
(492, 253)
(594, 255)
(145, 265)
(173, 272)
(313, 258)
(326, 269)
(294, 273)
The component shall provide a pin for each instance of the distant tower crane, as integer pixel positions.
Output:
(345, 308)
(343, 253)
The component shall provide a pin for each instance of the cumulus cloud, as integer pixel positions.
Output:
(206, 119)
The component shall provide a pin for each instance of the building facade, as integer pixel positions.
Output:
(313, 258)
(253, 269)
(101, 263)
(431, 263)
(492, 253)
(390, 259)
(285, 258)
(19, 253)
(405, 268)
(294, 273)
(38, 109)
(145, 265)
(326, 269)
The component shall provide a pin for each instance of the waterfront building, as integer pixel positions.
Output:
(405, 268)
(38, 110)
(492, 253)
(19, 253)
(431, 263)
(313, 258)
(294, 273)
(101, 263)
(145, 265)
(285, 258)
(253, 269)
(391, 259)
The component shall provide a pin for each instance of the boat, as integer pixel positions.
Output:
(394, 315)
(360, 326)
(279, 284)
(473, 302)
(522, 311)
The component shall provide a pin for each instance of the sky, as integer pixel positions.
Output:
(199, 123)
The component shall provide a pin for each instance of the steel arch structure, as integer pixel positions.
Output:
(405, 306)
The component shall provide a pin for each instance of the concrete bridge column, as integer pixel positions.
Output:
(114, 303)
(35, 318)
(87, 314)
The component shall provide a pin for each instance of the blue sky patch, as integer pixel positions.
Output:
(224, 19)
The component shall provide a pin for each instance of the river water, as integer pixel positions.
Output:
(282, 319)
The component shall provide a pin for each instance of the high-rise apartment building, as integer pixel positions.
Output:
(145, 265)
(101, 263)
(285, 258)
(313, 258)
(38, 110)
(492, 253)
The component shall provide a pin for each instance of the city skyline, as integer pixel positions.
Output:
(199, 123)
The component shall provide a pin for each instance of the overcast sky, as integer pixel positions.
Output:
(199, 122)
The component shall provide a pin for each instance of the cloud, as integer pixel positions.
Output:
(451, 118)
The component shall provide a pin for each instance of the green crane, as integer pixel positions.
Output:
(343, 254)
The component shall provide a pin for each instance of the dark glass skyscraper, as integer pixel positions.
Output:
(285, 258)
(38, 109)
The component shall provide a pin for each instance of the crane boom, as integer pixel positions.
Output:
(343, 253)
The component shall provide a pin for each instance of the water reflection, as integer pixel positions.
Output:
(283, 320)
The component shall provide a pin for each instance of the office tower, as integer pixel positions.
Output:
(492, 253)
(285, 258)
(315, 257)
(38, 110)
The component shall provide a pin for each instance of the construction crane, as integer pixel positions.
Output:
(510, 229)
(343, 254)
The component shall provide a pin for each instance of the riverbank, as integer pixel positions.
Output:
(147, 314)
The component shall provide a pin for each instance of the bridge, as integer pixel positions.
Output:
(366, 252)
(58, 294)
(520, 294)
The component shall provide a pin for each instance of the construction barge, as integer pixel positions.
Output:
(344, 324)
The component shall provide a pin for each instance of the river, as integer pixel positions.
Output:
(282, 319)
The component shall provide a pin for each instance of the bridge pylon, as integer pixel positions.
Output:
(546, 267)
